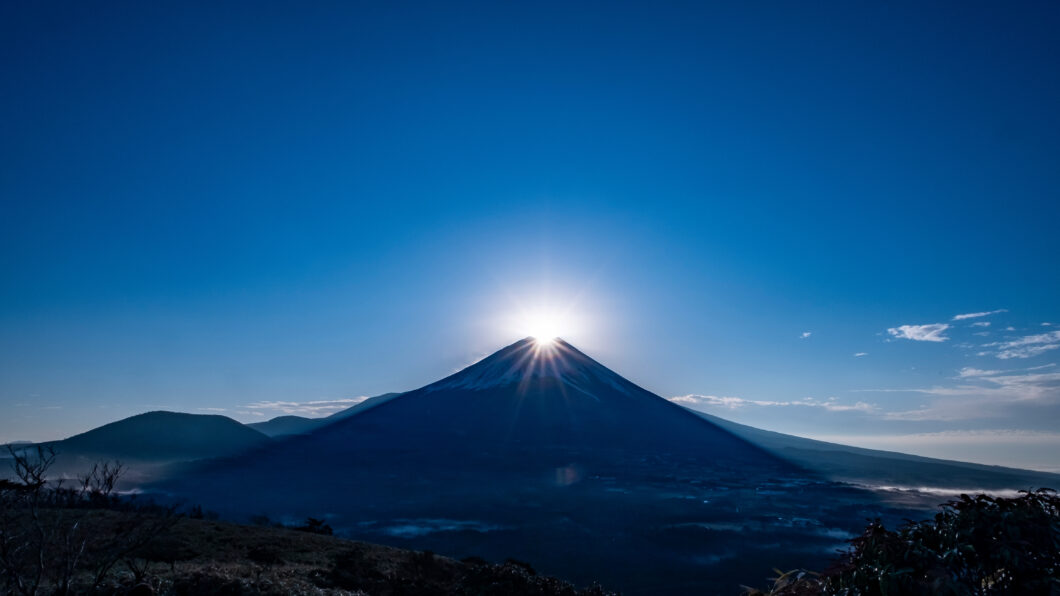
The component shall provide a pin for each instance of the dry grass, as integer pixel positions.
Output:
(204, 557)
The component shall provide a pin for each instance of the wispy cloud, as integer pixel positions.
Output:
(1025, 386)
(805, 334)
(931, 332)
(255, 413)
(1026, 352)
(732, 403)
(948, 437)
(304, 408)
(984, 394)
(976, 315)
(1025, 347)
(860, 354)
(976, 372)
(981, 324)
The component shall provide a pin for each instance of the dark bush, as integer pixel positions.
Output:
(315, 526)
(975, 545)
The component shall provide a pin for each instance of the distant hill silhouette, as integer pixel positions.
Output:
(300, 425)
(286, 425)
(164, 436)
(152, 445)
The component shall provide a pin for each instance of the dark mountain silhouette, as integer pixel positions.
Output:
(878, 467)
(521, 413)
(300, 425)
(150, 445)
(541, 453)
(537, 452)
(286, 425)
(164, 436)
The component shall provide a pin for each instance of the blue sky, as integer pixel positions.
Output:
(255, 208)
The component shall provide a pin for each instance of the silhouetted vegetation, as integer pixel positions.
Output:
(974, 545)
(197, 512)
(311, 525)
(315, 526)
(50, 541)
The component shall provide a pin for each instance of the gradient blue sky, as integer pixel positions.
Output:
(259, 208)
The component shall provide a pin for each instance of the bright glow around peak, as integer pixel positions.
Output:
(545, 326)
(543, 315)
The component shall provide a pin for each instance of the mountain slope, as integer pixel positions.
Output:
(367, 404)
(543, 398)
(876, 467)
(286, 425)
(300, 425)
(552, 406)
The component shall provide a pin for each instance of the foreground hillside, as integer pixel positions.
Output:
(62, 538)
(203, 557)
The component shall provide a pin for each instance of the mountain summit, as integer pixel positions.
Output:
(530, 360)
(549, 398)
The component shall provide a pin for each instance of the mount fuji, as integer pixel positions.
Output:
(545, 399)
(538, 405)
(541, 453)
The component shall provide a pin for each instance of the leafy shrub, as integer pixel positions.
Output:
(979, 545)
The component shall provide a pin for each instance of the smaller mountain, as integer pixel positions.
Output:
(153, 445)
(873, 467)
(281, 426)
(300, 425)
(165, 436)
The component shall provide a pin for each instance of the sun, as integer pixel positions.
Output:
(548, 320)
(545, 326)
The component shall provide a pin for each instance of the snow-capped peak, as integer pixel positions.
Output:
(529, 359)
